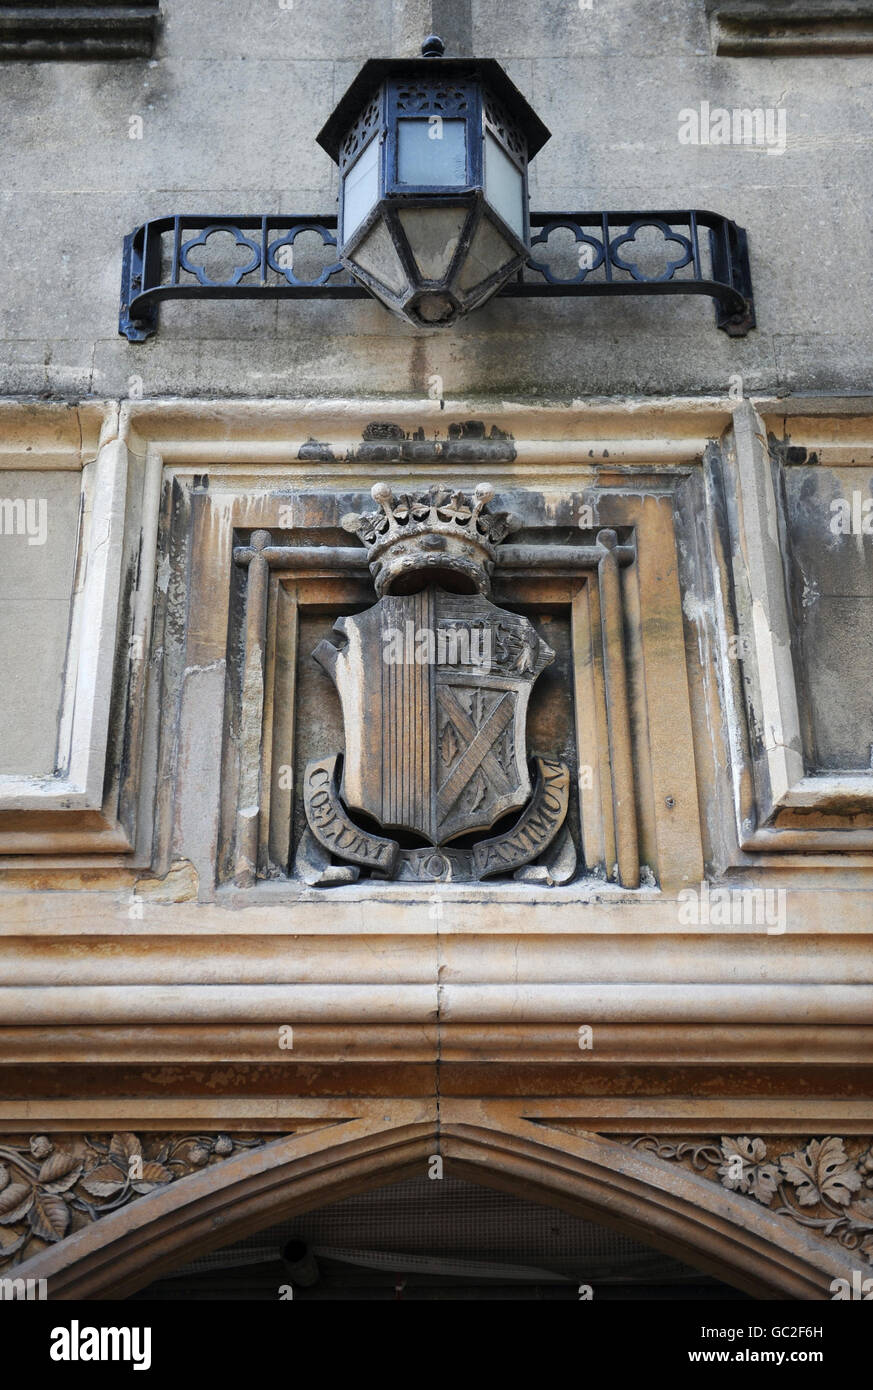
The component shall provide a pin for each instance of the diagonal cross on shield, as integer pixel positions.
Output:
(479, 756)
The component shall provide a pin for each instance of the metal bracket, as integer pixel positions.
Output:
(156, 263)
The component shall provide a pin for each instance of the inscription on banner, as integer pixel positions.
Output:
(537, 827)
(331, 826)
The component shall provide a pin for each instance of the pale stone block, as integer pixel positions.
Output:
(39, 514)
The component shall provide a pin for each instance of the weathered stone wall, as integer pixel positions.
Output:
(707, 971)
(230, 107)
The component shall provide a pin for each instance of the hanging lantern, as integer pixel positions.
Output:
(433, 155)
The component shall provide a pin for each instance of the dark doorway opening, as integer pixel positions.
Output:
(437, 1239)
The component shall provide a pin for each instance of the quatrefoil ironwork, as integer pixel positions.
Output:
(716, 249)
(631, 235)
(201, 240)
(274, 253)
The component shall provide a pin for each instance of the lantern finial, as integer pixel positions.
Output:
(433, 47)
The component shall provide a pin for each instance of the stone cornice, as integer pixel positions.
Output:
(790, 28)
(668, 431)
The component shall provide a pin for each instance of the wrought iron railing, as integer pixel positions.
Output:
(711, 258)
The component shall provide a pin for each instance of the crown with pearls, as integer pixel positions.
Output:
(441, 537)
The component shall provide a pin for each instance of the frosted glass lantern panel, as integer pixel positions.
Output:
(433, 234)
(432, 152)
(504, 185)
(489, 252)
(361, 188)
(378, 256)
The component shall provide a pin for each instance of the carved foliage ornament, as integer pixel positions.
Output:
(818, 1185)
(434, 682)
(49, 1189)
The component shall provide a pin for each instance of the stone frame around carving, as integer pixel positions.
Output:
(775, 795)
(604, 610)
(253, 445)
(232, 505)
(88, 805)
(576, 593)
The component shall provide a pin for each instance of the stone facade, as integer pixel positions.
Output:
(664, 1020)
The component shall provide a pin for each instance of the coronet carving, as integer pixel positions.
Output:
(440, 533)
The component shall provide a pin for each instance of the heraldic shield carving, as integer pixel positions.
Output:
(434, 682)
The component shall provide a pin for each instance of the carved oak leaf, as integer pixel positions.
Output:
(4, 1176)
(49, 1216)
(15, 1202)
(104, 1181)
(448, 744)
(59, 1172)
(822, 1169)
(477, 793)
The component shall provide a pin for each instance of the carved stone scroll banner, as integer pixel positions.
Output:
(535, 830)
(331, 826)
(51, 1187)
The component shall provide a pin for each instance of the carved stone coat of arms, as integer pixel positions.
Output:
(434, 681)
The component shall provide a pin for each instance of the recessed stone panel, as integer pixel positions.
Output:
(830, 523)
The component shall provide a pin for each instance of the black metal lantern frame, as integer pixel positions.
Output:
(434, 217)
(433, 247)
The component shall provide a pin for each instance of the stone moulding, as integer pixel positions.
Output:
(771, 781)
(85, 806)
(670, 1206)
(98, 31)
(790, 28)
(79, 783)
